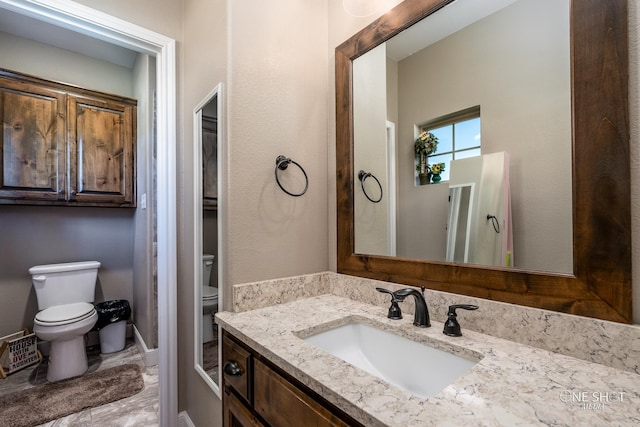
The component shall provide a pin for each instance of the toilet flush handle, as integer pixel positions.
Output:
(39, 278)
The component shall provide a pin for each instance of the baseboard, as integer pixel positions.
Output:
(184, 420)
(150, 356)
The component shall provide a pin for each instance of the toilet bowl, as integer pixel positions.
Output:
(209, 308)
(65, 293)
(209, 299)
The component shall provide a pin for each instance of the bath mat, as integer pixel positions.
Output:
(210, 355)
(51, 401)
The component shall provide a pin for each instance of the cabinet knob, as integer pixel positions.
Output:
(232, 368)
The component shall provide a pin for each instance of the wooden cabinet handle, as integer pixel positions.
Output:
(232, 368)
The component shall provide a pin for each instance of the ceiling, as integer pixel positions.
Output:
(441, 24)
(43, 32)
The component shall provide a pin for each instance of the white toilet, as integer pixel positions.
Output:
(65, 293)
(209, 299)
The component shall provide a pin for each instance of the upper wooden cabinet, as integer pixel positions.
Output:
(33, 145)
(63, 145)
(209, 163)
(101, 151)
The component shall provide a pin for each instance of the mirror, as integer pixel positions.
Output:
(599, 284)
(207, 272)
(474, 102)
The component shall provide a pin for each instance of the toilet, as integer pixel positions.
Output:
(209, 299)
(65, 293)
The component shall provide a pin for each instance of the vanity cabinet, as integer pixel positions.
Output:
(63, 145)
(257, 393)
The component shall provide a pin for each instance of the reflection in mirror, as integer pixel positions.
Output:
(479, 227)
(459, 225)
(207, 297)
(210, 155)
(501, 67)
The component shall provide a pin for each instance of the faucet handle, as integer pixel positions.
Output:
(401, 294)
(394, 311)
(451, 325)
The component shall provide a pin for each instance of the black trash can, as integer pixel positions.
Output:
(112, 324)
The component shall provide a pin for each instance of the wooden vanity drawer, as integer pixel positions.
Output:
(282, 404)
(236, 369)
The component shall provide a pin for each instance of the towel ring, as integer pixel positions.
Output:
(494, 222)
(362, 176)
(282, 163)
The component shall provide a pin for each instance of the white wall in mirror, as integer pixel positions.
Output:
(208, 152)
(370, 125)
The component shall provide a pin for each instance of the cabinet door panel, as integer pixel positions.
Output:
(282, 404)
(236, 414)
(32, 142)
(101, 151)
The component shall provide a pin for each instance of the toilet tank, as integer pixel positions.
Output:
(207, 263)
(66, 283)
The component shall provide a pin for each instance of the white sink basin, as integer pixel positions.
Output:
(412, 366)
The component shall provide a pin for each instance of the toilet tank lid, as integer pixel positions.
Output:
(67, 266)
(207, 257)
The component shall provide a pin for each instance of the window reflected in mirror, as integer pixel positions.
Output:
(457, 136)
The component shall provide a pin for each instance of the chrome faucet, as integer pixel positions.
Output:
(421, 317)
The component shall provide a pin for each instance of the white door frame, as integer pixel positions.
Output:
(88, 21)
(391, 189)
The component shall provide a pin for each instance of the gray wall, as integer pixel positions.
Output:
(145, 317)
(34, 235)
(203, 64)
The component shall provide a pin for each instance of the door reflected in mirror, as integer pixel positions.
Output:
(208, 298)
(479, 226)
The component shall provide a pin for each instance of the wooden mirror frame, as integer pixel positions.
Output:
(601, 284)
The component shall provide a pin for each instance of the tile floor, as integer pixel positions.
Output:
(140, 410)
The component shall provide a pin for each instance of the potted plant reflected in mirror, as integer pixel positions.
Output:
(426, 143)
(436, 169)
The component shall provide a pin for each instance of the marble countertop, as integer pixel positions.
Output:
(512, 385)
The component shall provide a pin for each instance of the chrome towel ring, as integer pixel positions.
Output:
(362, 176)
(282, 163)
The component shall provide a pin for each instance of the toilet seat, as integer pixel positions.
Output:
(209, 293)
(64, 314)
